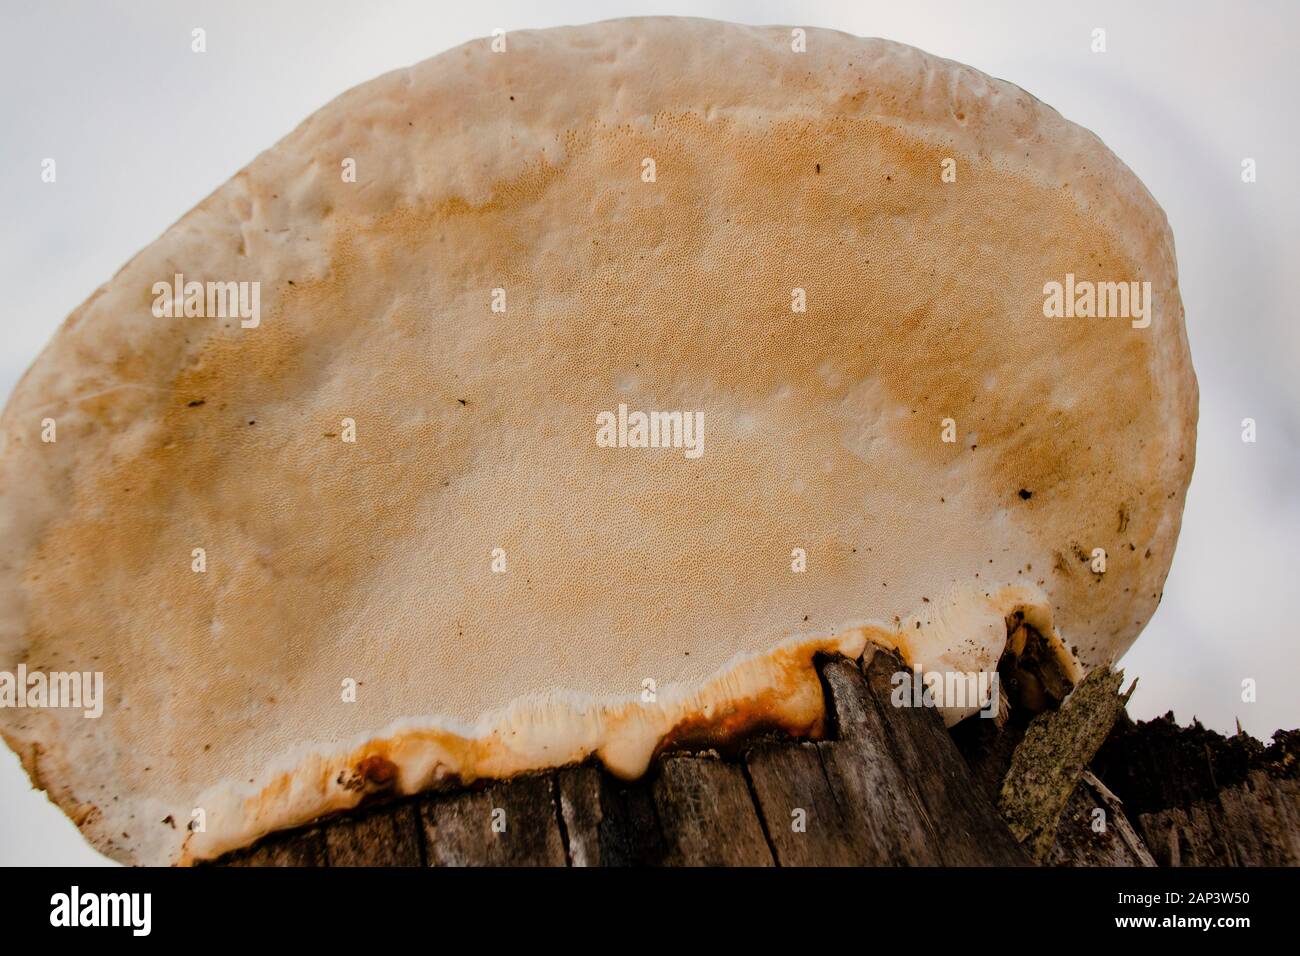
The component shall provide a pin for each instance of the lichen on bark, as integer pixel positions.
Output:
(1058, 746)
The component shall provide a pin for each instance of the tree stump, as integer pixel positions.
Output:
(890, 786)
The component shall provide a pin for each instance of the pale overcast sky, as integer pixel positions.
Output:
(143, 129)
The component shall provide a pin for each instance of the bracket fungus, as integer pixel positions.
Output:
(418, 563)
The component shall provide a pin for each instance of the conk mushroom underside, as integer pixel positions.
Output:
(420, 561)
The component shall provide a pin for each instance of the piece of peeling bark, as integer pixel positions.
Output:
(1057, 748)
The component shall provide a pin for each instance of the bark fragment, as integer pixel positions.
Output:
(1058, 746)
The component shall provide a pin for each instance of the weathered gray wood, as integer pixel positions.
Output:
(708, 815)
(386, 836)
(608, 822)
(1186, 836)
(1261, 820)
(582, 812)
(803, 817)
(969, 830)
(1078, 842)
(849, 705)
(459, 829)
(868, 783)
(1256, 823)
(294, 848)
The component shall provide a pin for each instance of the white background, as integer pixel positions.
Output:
(142, 129)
